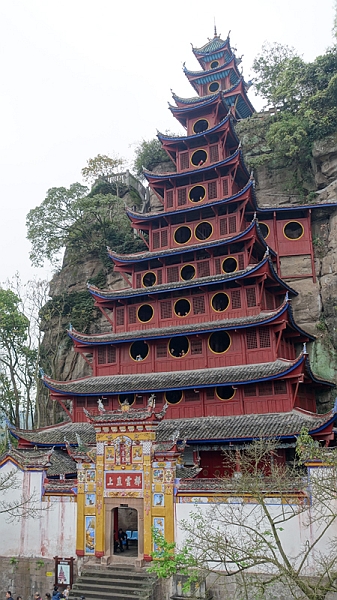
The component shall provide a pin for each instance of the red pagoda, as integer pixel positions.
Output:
(204, 326)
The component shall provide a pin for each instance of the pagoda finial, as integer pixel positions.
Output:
(215, 33)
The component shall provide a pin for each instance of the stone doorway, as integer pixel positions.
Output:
(127, 514)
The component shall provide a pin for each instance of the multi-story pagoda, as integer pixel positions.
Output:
(204, 350)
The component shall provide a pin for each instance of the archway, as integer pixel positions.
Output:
(125, 513)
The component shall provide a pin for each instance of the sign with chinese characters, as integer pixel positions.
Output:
(126, 480)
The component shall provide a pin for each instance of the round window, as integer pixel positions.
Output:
(203, 231)
(230, 265)
(220, 302)
(213, 87)
(173, 396)
(182, 235)
(214, 64)
(198, 158)
(178, 346)
(187, 272)
(200, 126)
(219, 341)
(197, 193)
(264, 230)
(139, 350)
(149, 279)
(126, 399)
(182, 307)
(293, 230)
(145, 313)
(225, 392)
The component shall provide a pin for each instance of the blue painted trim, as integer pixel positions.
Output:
(209, 71)
(195, 136)
(150, 176)
(296, 208)
(188, 107)
(205, 52)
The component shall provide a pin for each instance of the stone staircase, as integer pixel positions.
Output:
(115, 582)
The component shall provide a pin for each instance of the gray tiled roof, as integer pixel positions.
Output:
(60, 487)
(61, 463)
(143, 382)
(187, 472)
(39, 459)
(175, 329)
(56, 435)
(242, 426)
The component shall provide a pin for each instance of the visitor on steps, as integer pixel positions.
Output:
(9, 596)
(123, 540)
(56, 594)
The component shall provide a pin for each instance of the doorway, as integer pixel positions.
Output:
(128, 516)
(124, 522)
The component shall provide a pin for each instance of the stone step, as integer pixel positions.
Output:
(134, 585)
(120, 573)
(113, 582)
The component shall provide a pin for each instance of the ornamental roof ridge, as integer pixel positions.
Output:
(54, 435)
(195, 99)
(216, 127)
(231, 58)
(29, 459)
(127, 413)
(213, 44)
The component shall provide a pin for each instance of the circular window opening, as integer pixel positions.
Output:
(178, 346)
(264, 230)
(293, 230)
(149, 279)
(200, 126)
(229, 265)
(145, 313)
(203, 231)
(219, 341)
(126, 399)
(214, 64)
(225, 392)
(199, 157)
(197, 193)
(220, 302)
(173, 396)
(182, 235)
(182, 307)
(139, 350)
(187, 272)
(213, 87)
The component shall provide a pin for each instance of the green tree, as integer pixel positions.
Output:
(148, 155)
(101, 167)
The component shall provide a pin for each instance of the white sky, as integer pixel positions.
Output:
(84, 77)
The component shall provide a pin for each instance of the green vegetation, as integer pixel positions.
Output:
(149, 154)
(302, 108)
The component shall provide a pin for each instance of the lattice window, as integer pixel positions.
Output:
(251, 297)
(184, 164)
(266, 389)
(251, 339)
(163, 237)
(159, 277)
(232, 224)
(224, 226)
(280, 387)
(182, 198)
(191, 395)
(196, 346)
(161, 351)
(264, 335)
(203, 269)
(241, 262)
(166, 309)
(138, 280)
(214, 153)
(217, 266)
(225, 187)
(156, 239)
(199, 305)
(210, 393)
(236, 299)
(132, 314)
(169, 198)
(111, 354)
(101, 355)
(249, 390)
(119, 316)
(172, 274)
(212, 191)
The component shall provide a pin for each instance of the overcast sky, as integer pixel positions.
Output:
(84, 77)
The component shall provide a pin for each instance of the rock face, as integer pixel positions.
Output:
(315, 308)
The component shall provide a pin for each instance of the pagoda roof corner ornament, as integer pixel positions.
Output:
(251, 176)
(305, 348)
(70, 328)
(42, 373)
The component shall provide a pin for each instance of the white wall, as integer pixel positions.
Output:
(51, 534)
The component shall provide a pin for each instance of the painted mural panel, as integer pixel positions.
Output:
(90, 534)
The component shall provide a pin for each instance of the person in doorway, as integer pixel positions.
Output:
(37, 596)
(9, 596)
(123, 540)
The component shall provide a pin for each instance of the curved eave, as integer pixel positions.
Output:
(230, 97)
(207, 48)
(231, 63)
(209, 327)
(164, 288)
(144, 217)
(167, 138)
(121, 260)
(314, 377)
(293, 208)
(199, 102)
(118, 381)
(233, 158)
